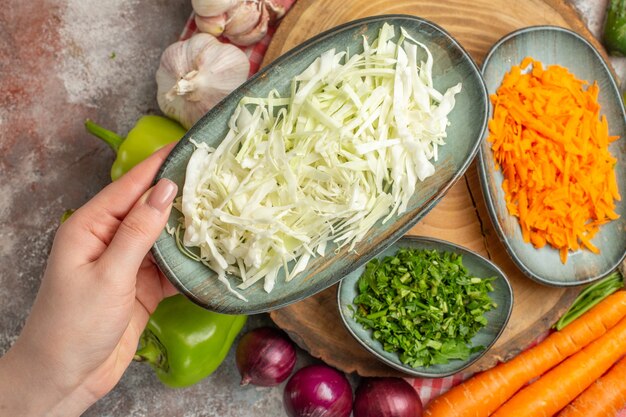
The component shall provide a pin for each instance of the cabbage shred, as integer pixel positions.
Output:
(344, 150)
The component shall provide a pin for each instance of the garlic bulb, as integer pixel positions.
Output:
(243, 18)
(252, 35)
(244, 23)
(212, 7)
(196, 74)
(277, 8)
(213, 25)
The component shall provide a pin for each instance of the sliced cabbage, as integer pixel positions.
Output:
(346, 149)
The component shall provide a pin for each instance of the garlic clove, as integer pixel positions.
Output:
(213, 25)
(212, 7)
(255, 34)
(277, 8)
(243, 18)
(194, 75)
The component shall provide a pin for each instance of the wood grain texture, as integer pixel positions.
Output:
(461, 216)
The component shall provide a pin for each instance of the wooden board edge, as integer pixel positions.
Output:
(564, 8)
(378, 369)
(576, 22)
(280, 36)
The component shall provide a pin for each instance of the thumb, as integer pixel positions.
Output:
(140, 229)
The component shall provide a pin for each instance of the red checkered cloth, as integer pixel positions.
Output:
(427, 388)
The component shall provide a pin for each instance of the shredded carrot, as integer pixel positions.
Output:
(551, 143)
(604, 398)
(482, 394)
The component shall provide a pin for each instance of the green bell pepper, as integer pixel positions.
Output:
(150, 134)
(615, 28)
(184, 343)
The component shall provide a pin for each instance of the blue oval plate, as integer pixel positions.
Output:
(555, 45)
(452, 64)
(476, 265)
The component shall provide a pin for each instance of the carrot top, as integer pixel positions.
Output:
(551, 143)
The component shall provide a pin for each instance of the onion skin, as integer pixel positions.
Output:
(265, 357)
(386, 397)
(318, 391)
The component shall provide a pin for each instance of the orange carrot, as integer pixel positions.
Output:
(482, 394)
(552, 145)
(561, 385)
(604, 398)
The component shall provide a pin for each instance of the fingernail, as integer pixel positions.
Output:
(162, 194)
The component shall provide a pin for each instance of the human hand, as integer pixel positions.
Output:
(98, 291)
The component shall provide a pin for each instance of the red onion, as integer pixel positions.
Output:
(265, 357)
(386, 397)
(318, 391)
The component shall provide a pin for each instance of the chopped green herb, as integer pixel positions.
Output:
(424, 305)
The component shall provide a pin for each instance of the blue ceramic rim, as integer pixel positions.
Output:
(414, 371)
(169, 273)
(488, 198)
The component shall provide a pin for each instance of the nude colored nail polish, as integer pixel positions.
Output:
(162, 194)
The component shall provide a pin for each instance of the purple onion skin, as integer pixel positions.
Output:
(386, 397)
(318, 391)
(265, 357)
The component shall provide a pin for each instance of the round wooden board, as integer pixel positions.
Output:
(461, 216)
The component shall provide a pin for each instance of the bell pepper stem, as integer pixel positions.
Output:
(148, 353)
(151, 351)
(111, 138)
